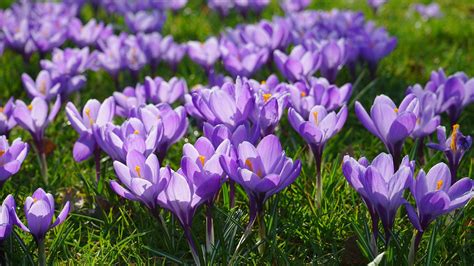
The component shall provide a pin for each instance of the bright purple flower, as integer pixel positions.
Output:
(36, 116)
(321, 92)
(112, 58)
(300, 64)
(453, 147)
(290, 6)
(333, 58)
(435, 195)
(174, 52)
(93, 113)
(39, 211)
(232, 104)
(144, 21)
(151, 46)
(223, 7)
(390, 124)
(204, 54)
(423, 106)
(266, 34)
(7, 121)
(174, 122)
(428, 11)
(118, 141)
(43, 87)
(129, 99)
(255, 5)
(88, 34)
(142, 178)
(380, 185)
(268, 110)
(158, 90)
(242, 60)
(262, 171)
(244, 132)
(7, 217)
(17, 34)
(376, 4)
(457, 93)
(135, 57)
(11, 157)
(375, 44)
(48, 35)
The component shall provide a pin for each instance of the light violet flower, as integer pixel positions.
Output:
(7, 217)
(11, 157)
(42, 87)
(204, 54)
(7, 120)
(158, 90)
(300, 64)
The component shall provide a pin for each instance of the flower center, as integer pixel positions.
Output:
(1, 109)
(266, 97)
(263, 82)
(454, 135)
(138, 170)
(2, 152)
(303, 94)
(395, 110)
(136, 132)
(315, 116)
(88, 114)
(248, 163)
(30, 107)
(439, 184)
(202, 158)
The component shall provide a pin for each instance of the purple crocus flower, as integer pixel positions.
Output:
(266, 34)
(204, 54)
(7, 217)
(376, 4)
(48, 35)
(118, 141)
(144, 21)
(174, 121)
(244, 132)
(7, 121)
(453, 147)
(130, 99)
(88, 34)
(142, 178)
(390, 124)
(43, 87)
(135, 57)
(39, 211)
(333, 58)
(151, 46)
(17, 35)
(223, 7)
(435, 195)
(320, 92)
(11, 157)
(424, 107)
(381, 187)
(35, 118)
(174, 52)
(428, 11)
(268, 110)
(112, 58)
(300, 64)
(376, 44)
(158, 90)
(262, 171)
(290, 6)
(242, 59)
(316, 131)
(255, 5)
(458, 92)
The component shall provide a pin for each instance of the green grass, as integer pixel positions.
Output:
(104, 229)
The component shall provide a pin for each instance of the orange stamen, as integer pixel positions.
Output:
(454, 135)
(439, 184)
(266, 97)
(315, 116)
(202, 158)
(138, 170)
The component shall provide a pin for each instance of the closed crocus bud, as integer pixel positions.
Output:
(300, 64)
(11, 157)
(141, 178)
(392, 125)
(376, 45)
(39, 212)
(7, 217)
(7, 120)
(43, 87)
(158, 90)
(454, 147)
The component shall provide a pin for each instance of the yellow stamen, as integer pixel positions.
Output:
(315, 116)
(248, 163)
(1, 109)
(396, 110)
(35, 200)
(266, 97)
(138, 170)
(2, 152)
(454, 134)
(439, 184)
(30, 107)
(303, 94)
(202, 158)
(263, 82)
(88, 114)
(259, 173)
(136, 132)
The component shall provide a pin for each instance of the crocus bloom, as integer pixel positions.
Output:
(174, 52)
(376, 4)
(7, 217)
(39, 211)
(458, 92)
(390, 124)
(43, 87)
(428, 11)
(130, 99)
(380, 186)
(11, 157)
(320, 92)
(88, 34)
(454, 147)
(244, 132)
(158, 90)
(46, 35)
(223, 7)
(7, 121)
(375, 45)
(271, 35)
(316, 131)
(294, 5)
(174, 122)
(300, 64)
(151, 46)
(268, 110)
(242, 59)
(112, 58)
(93, 113)
(333, 58)
(118, 141)
(435, 195)
(204, 54)
(135, 58)
(142, 177)
(262, 171)
(424, 107)
(144, 21)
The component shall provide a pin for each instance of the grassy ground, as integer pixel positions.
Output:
(104, 229)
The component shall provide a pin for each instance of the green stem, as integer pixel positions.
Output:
(261, 232)
(209, 228)
(415, 242)
(41, 253)
(192, 246)
(319, 183)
